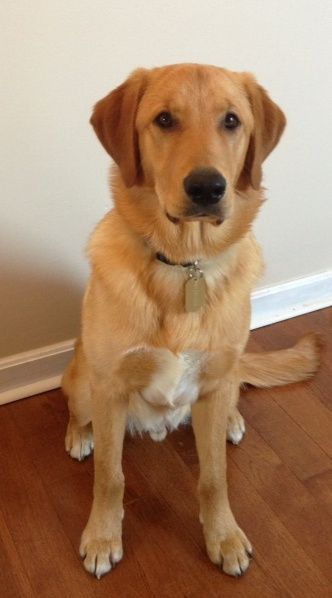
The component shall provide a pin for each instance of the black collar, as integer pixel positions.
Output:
(162, 258)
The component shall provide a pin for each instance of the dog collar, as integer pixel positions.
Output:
(162, 258)
(194, 287)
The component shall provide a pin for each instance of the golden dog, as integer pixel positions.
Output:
(167, 310)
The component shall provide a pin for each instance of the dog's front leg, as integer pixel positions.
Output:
(226, 543)
(101, 543)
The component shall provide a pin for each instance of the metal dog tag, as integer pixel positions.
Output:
(194, 289)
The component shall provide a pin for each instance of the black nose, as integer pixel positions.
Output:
(205, 186)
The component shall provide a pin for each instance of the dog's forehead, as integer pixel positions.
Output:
(184, 87)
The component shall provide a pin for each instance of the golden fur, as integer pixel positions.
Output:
(142, 360)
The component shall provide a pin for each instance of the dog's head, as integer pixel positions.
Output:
(194, 134)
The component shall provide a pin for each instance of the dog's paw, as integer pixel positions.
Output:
(100, 554)
(235, 427)
(163, 385)
(232, 552)
(79, 441)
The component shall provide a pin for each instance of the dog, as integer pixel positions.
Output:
(166, 313)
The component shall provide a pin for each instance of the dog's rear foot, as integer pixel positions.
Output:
(79, 441)
(235, 427)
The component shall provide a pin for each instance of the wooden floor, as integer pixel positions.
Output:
(280, 481)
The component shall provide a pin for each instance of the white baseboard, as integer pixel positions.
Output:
(40, 370)
(33, 372)
(291, 299)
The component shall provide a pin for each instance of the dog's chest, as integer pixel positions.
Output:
(175, 386)
(166, 402)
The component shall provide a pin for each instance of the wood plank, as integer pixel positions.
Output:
(177, 491)
(320, 487)
(309, 413)
(166, 476)
(42, 425)
(13, 579)
(277, 552)
(292, 503)
(303, 456)
(51, 565)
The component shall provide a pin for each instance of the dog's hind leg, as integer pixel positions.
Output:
(75, 385)
(235, 423)
(235, 426)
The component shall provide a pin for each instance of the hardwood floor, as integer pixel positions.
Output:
(280, 483)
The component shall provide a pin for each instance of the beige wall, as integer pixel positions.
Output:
(58, 57)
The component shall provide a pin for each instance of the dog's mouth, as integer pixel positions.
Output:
(172, 218)
(212, 218)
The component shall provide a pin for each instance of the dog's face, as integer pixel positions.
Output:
(195, 134)
(194, 126)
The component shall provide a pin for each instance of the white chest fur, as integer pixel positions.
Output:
(165, 403)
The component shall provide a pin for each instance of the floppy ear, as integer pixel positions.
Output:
(269, 123)
(113, 120)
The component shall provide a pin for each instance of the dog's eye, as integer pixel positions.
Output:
(231, 121)
(165, 120)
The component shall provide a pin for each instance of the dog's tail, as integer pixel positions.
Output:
(275, 368)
